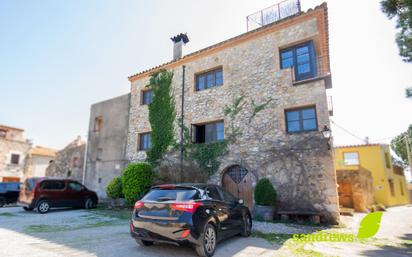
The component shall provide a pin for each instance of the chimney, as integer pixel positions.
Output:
(178, 42)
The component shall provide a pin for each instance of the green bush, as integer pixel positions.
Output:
(114, 188)
(136, 181)
(265, 194)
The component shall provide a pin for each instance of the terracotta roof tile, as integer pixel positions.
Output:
(43, 151)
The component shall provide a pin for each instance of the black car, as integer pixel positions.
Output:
(189, 214)
(9, 192)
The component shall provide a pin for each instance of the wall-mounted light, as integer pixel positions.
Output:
(326, 132)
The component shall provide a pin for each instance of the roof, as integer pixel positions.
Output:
(8, 127)
(43, 151)
(361, 145)
(236, 39)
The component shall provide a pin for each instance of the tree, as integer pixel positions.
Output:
(161, 115)
(409, 92)
(402, 10)
(399, 147)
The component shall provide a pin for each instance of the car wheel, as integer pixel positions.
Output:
(27, 209)
(247, 226)
(43, 207)
(2, 201)
(89, 203)
(208, 242)
(142, 242)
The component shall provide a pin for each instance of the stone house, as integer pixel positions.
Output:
(69, 161)
(285, 64)
(106, 145)
(13, 152)
(38, 159)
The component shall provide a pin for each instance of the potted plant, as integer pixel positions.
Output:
(115, 194)
(265, 199)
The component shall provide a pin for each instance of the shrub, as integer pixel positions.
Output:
(265, 194)
(114, 188)
(136, 181)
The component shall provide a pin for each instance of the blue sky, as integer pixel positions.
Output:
(59, 57)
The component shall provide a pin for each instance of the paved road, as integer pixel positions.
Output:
(88, 233)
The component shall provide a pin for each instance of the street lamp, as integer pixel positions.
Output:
(326, 132)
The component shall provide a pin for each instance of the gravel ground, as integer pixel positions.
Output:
(284, 228)
(66, 233)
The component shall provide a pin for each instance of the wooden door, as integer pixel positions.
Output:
(239, 182)
(345, 194)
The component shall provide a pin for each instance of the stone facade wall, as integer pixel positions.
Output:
(362, 187)
(69, 161)
(13, 143)
(299, 165)
(111, 139)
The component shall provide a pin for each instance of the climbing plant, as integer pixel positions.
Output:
(206, 155)
(162, 115)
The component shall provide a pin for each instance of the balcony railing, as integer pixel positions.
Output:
(318, 69)
(272, 14)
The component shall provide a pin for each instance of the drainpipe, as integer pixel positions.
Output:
(85, 161)
(182, 123)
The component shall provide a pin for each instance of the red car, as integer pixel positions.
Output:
(45, 193)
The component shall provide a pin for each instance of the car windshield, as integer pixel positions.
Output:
(178, 195)
(29, 184)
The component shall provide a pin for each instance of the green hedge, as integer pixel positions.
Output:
(136, 181)
(114, 188)
(265, 194)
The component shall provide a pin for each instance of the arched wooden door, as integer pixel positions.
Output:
(239, 181)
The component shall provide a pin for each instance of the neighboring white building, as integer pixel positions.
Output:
(38, 160)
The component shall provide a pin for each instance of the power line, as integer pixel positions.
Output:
(347, 131)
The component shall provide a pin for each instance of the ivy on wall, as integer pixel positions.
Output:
(162, 115)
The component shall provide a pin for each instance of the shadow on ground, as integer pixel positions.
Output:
(68, 232)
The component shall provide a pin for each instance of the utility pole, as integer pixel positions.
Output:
(408, 151)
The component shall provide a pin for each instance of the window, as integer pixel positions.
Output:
(175, 194)
(15, 158)
(209, 79)
(144, 141)
(401, 186)
(75, 162)
(52, 185)
(301, 120)
(98, 124)
(391, 187)
(99, 154)
(387, 161)
(302, 58)
(3, 133)
(226, 196)
(75, 186)
(207, 133)
(213, 193)
(351, 158)
(147, 97)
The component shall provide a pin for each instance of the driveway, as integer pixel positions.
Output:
(93, 233)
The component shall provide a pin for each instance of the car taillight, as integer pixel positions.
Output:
(138, 205)
(186, 207)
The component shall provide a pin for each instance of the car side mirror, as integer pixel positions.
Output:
(240, 201)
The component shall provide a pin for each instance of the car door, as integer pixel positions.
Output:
(220, 209)
(74, 194)
(235, 214)
(54, 191)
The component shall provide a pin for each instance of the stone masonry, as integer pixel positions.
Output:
(12, 142)
(69, 161)
(300, 166)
